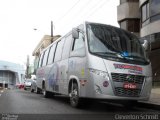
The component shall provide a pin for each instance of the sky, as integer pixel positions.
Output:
(20, 18)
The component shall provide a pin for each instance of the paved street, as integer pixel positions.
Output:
(24, 102)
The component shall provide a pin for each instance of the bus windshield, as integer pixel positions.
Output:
(114, 43)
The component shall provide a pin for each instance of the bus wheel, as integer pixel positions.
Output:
(45, 93)
(37, 90)
(32, 90)
(74, 95)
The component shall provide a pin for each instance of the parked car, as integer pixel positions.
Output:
(20, 85)
(27, 84)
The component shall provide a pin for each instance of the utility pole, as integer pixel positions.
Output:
(27, 67)
(51, 31)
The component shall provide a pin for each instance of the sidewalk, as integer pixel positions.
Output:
(155, 96)
(154, 101)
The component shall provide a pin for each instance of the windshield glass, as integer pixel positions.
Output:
(112, 42)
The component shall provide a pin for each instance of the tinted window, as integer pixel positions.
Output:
(144, 13)
(78, 43)
(123, 25)
(155, 7)
(41, 59)
(66, 48)
(133, 25)
(59, 49)
(45, 57)
(51, 54)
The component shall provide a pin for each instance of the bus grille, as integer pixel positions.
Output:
(123, 78)
(119, 91)
(118, 77)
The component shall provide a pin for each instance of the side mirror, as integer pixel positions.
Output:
(145, 45)
(75, 33)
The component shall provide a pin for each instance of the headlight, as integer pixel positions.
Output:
(100, 73)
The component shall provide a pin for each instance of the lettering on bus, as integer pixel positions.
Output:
(131, 68)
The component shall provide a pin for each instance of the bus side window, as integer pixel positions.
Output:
(67, 46)
(45, 57)
(51, 54)
(59, 49)
(40, 60)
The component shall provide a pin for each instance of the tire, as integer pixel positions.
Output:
(74, 96)
(37, 90)
(45, 93)
(32, 90)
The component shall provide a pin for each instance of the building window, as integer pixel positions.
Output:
(132, 25)
(150, 12)
(155, 7)
(144, 17)
(145, 14)
(124, 1)
(123, 25)
(155, 10)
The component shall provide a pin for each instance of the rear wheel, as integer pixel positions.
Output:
(45, 93)
(38, 91)
(32, 90)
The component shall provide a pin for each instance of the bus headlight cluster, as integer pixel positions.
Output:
(105, 75)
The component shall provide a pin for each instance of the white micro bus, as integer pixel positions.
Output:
(95, 61)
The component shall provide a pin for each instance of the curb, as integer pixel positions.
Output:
(148, 105)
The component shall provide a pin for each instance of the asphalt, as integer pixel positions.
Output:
(154, 101)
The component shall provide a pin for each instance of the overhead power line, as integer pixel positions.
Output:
(100, 6)
(68, 11)
(92, 10)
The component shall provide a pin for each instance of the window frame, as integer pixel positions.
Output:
(54, 45)
(62, 40)
(74, 41)
(70, 45)
(40, 60)
(45, 57)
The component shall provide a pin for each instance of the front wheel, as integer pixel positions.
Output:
(74, 96)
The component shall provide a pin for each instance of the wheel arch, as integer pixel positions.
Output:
(73, 79)
(43, 83)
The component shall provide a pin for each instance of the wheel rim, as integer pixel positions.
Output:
(44, 92)
(36, 90)
(74, 97)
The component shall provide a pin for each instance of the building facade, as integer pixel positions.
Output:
(142, 17)
(45, 41)
(11, 74)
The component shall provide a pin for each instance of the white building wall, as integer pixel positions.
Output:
(17, 69)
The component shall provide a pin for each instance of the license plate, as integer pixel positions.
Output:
(129, 85)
